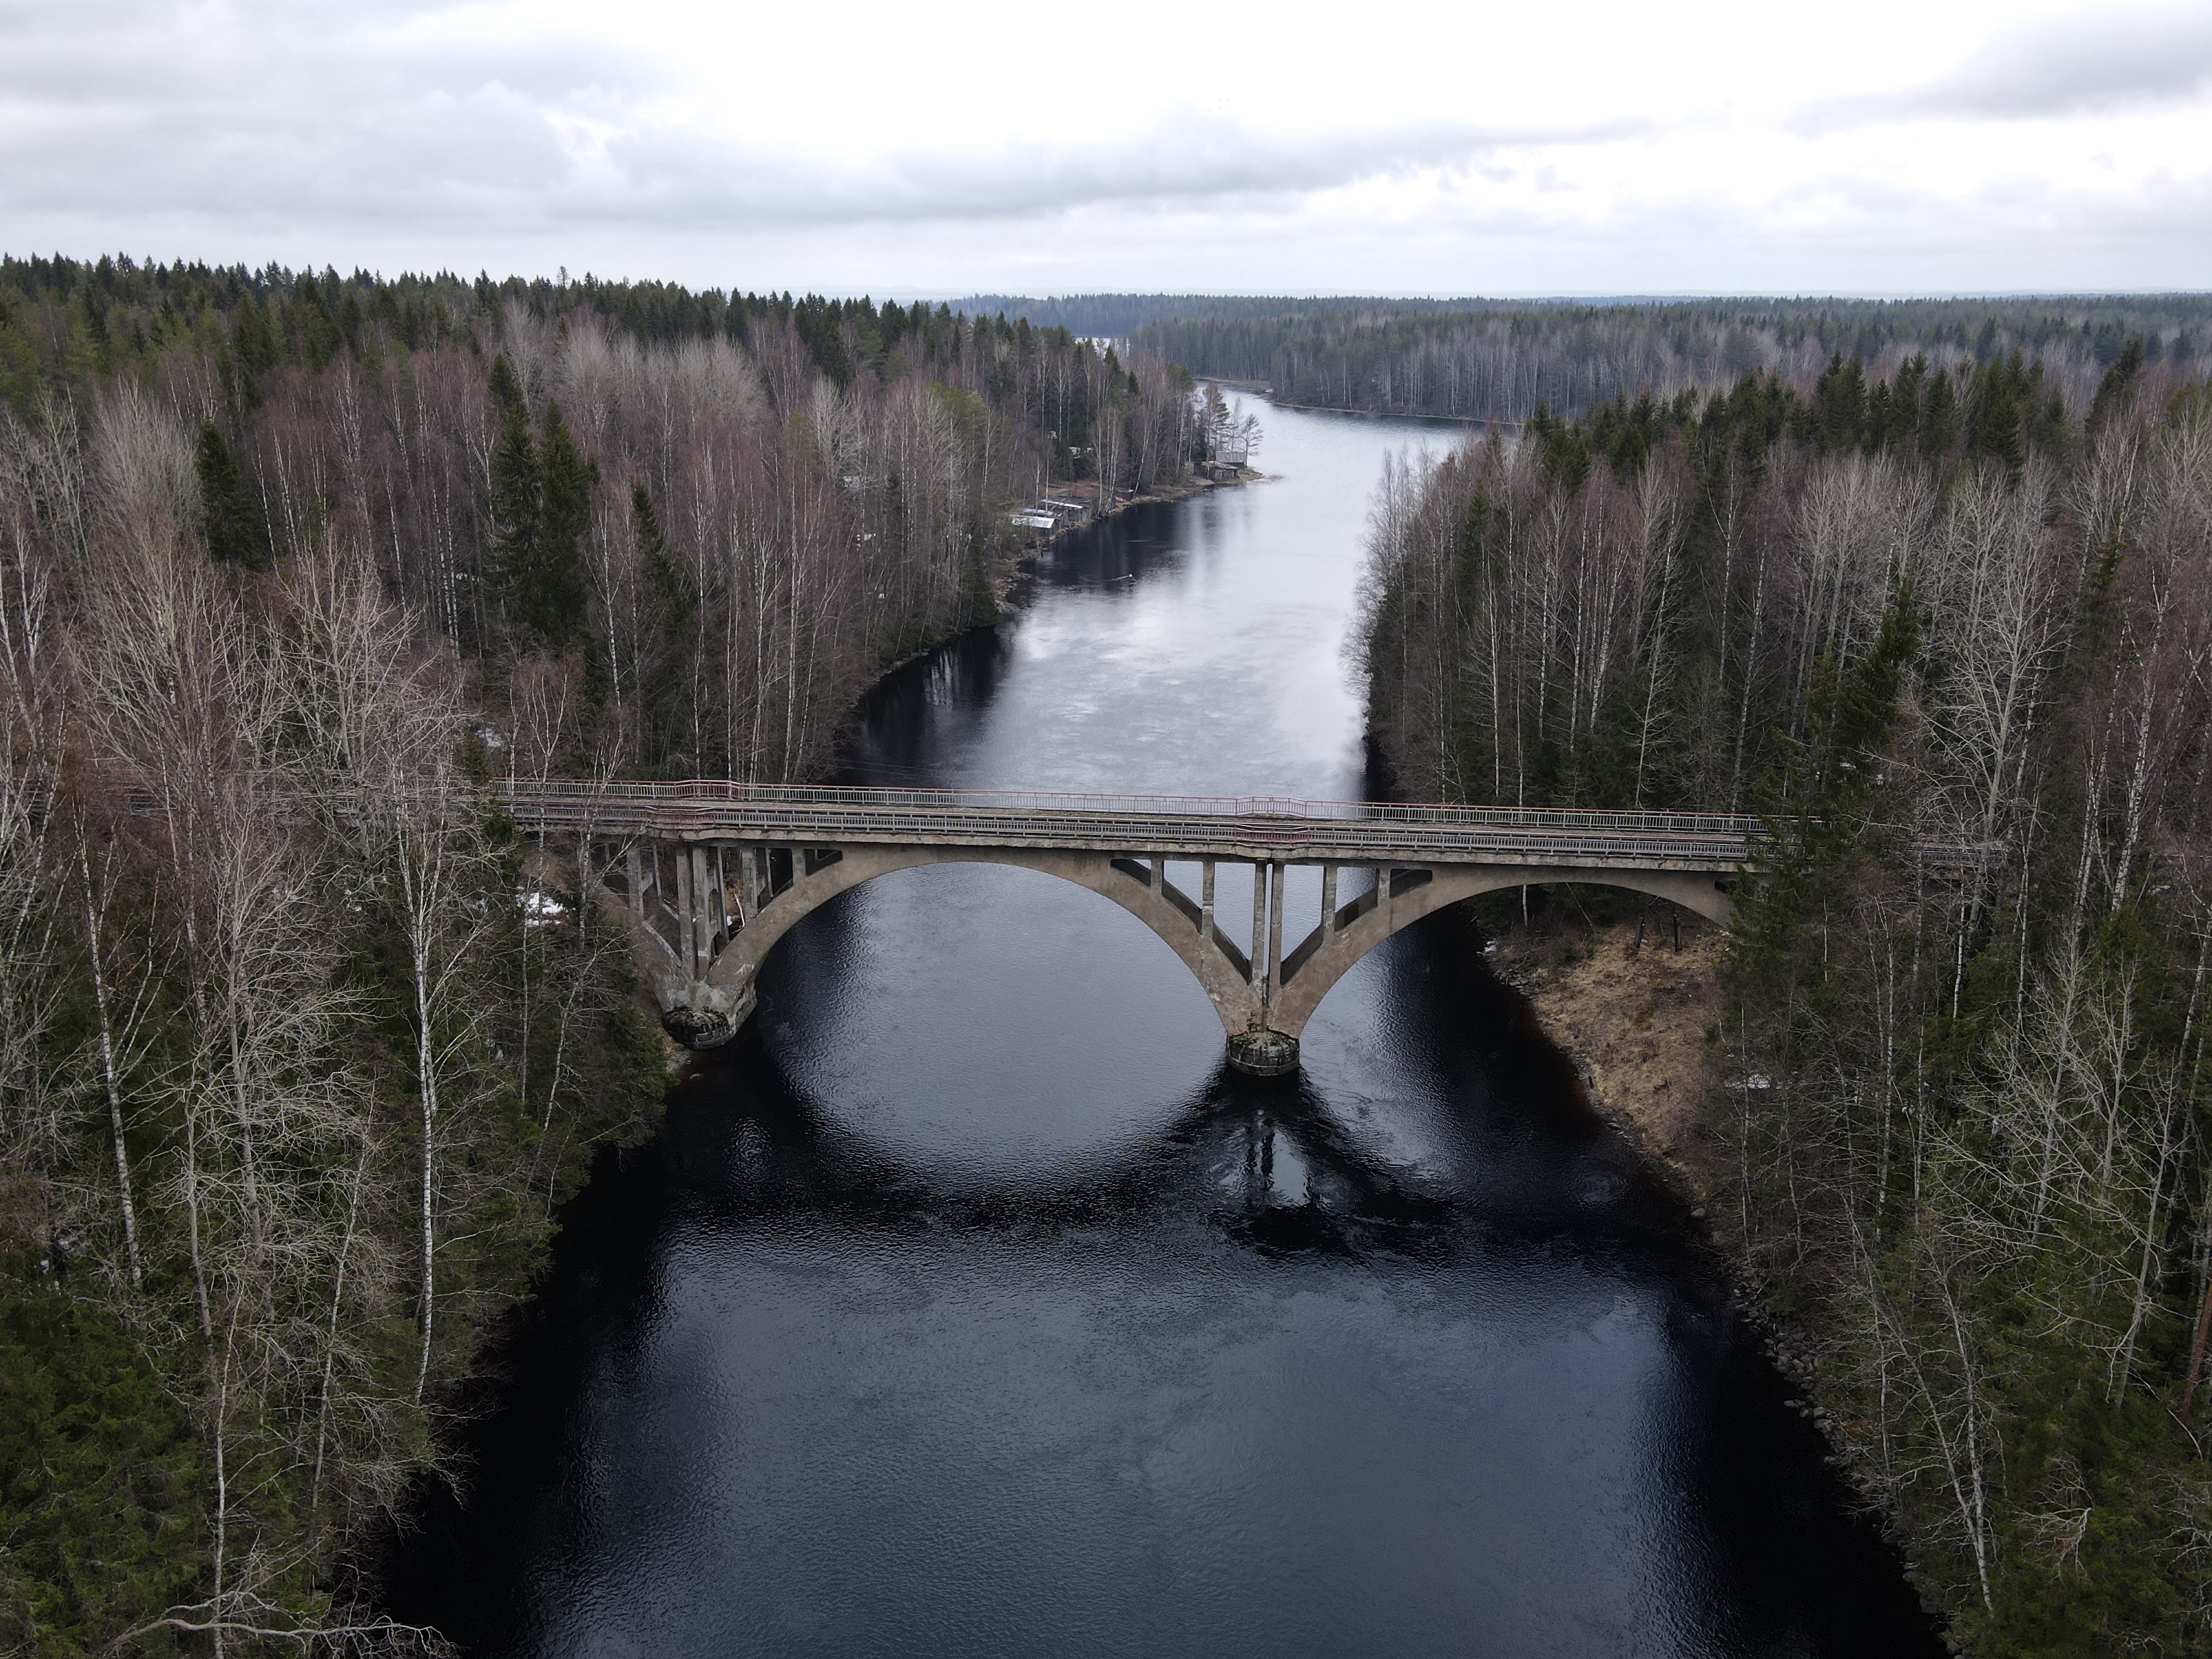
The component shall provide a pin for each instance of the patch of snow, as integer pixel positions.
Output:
(541, 908)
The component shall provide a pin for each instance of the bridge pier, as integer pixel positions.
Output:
(1260, 1049)
(1262, 1053)
(705, 1021)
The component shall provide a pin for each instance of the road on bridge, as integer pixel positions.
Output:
(1262, 829)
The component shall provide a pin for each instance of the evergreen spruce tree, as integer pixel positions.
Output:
(669, 708)
(228, 515)
(514, 491)
(251, 338)
(1996, 426)
(979, 599)
(554, 606)
(1814, 804)
(662, 579)
(2119, 380)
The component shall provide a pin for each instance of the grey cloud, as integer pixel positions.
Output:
(395, 133)
(311, 60)
(1186, 161)
(2072, 66)
(1828, 235)
(272, 112)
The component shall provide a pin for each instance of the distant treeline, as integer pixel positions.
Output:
(1504, 362)
(312, 315)
(1959, 1121)
(1119, 316)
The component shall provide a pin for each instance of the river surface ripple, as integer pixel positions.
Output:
(967, 1304)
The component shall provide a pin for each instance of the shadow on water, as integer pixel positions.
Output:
(967, 1304)
(1261, 1188)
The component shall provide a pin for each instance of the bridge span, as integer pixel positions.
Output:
(712, 874)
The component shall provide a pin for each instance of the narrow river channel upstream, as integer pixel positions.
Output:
(969, 1304)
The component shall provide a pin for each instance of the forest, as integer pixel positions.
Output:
(1504, 361)
(1958, 1135)
(301, 1044)
(1121, 316)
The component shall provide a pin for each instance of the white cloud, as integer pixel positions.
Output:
(1429, 147)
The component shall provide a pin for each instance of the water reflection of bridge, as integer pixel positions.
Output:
(713, 874)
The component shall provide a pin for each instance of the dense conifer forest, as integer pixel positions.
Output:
(301, 1042)
(1960, 1131)
(1121, 316)
(1504, 361)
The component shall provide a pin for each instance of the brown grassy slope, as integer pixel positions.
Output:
(1637, 1019)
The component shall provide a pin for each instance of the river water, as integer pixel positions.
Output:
(969, 1304)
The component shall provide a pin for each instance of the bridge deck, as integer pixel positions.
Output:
(1236, 827)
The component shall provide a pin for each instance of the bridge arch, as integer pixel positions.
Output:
(1312, 970)
(709, 1010)
(1263, 1009)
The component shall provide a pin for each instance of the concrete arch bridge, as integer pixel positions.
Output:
(712, 875)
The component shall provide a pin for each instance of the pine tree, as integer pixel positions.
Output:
(228, 515)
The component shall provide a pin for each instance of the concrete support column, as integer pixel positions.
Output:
(741, 911)
(1259, 920)
(1262, 1051)
(1328, 900)
(632, 868)
(687, 953)
(1159, 875)
(702, 915)
(1274, 935)
(1205, 900)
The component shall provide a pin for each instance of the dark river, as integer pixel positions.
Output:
(969, 1304)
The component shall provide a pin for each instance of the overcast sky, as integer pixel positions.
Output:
(1885, 146)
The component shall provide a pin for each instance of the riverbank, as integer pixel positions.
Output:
(1643, 1027)
(1389, 413)
(1261, 389)
(1642, 1024)
(1011, 577)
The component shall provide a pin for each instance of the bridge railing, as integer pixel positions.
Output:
(1356, 831)
(567, 799)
